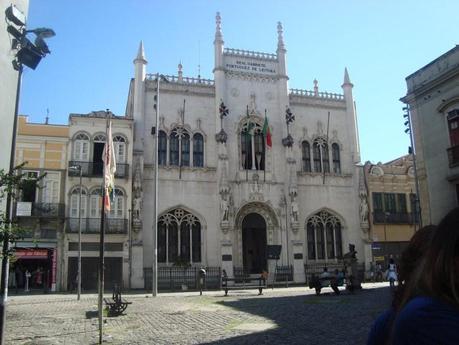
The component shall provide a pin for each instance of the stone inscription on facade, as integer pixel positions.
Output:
(249, 66)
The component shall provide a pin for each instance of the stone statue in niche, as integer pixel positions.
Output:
(137, 200)
(363, 209)
(137, 208)
(224, 206)
(295, 210)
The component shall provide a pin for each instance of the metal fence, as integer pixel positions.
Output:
(283, 273)
(183, 278)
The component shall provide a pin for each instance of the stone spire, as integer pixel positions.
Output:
(347, 81)
(140, 55)
(218, 28)
(280, 37)
(180, 73)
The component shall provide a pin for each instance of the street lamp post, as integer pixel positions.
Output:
(156, 177)
(80, 171)
(28, 54)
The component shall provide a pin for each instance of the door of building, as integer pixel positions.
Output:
(254, 243)
(89, 272)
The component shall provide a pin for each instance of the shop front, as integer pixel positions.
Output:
(33, 269)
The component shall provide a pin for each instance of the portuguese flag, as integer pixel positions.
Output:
(267, 132)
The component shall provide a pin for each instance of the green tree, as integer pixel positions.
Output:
(11, 184)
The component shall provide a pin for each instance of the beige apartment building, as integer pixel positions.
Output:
(40, 209)
(392, 217)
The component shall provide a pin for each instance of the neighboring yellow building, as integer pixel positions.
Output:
(40, 209)
(393, 220)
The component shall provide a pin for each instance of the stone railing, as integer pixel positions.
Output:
(183, 80)
(249, 53)
(309, 93)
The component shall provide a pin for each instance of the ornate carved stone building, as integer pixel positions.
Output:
(224, 193)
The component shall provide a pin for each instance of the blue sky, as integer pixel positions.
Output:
(380, 42)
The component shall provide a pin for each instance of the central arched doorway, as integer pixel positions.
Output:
(254, 243)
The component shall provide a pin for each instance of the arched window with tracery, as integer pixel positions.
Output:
(81, 148)
(174, 149)
(336, 159)
(179, 237)
(198, 150)
(162, 148)
(323, 232)
(306, 156)
(185, 143)
(253, 150)
(320, 155)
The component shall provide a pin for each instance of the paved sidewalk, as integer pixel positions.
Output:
(281, 316)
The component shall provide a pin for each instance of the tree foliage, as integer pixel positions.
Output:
(11, 184)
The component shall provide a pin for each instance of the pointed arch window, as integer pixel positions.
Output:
(306, 156)
(336, 159)
(162, 148)
(259, 141)
(320, 155)
(185, 143)
(81, 148)
(323, 231)
(317, 157)
(253, 150)
(198, 150)
(174, 149)
(179, 237)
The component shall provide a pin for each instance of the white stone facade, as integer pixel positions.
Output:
(282, 185)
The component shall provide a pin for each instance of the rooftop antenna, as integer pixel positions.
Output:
(47, 116)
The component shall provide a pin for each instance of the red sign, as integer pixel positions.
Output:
(31, 253)
(53, 271)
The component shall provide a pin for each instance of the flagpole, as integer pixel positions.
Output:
(328, 127)
(247, 137)
(181, 144)
(102, 235)
(264, 144)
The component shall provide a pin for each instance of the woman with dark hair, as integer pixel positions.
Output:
(417, 247)
(429, 307)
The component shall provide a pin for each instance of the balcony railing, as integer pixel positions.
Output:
(453, 156)
(380, 217)
(92, 225)
(44, 209)
(96, 169)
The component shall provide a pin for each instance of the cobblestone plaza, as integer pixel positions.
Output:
(280, 316)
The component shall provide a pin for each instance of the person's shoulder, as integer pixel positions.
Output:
(425, 320)
(381, 328)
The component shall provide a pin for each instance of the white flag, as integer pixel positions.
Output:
(108, 156)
